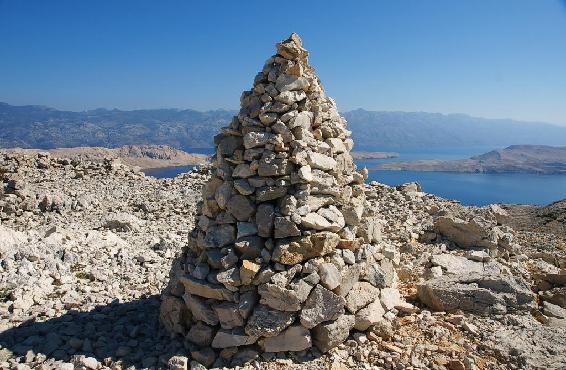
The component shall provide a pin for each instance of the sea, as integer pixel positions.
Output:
(468, 188)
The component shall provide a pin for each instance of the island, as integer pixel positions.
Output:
(541, 159)
(374, 155)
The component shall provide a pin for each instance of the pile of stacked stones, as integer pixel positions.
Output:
(284, 255)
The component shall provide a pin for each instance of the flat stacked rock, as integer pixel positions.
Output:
(283, 256)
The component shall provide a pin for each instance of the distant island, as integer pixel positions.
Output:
(142, 156)
(541, 159)
(374, 155)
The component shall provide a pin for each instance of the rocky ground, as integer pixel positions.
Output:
(86, 249)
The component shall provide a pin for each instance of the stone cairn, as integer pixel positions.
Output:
(283, 256)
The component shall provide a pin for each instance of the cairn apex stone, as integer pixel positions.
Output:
(266, 262)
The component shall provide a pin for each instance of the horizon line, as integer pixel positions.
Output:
(554, 123)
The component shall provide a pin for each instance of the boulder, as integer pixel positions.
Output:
(200, 334)
(219, 236)
(476, 293)
(228, 315)
(246, 229)
(296, 338)
(349, 275)
(285, 228)
(205, 289)
(249, 247)
(321, 305)
(361, 294)
(329, 276)
(473, 233)
(369, 316)
(291, 83)
(255, 139)
(330, 334)
(174, 315)
(321, 161)
(295, 250)
(240, 207)
(274, 167)
(248, 271)
(457, 265)
(267, 322)
(283, 298)
(315, 221)
(200, 309)
(232, 338)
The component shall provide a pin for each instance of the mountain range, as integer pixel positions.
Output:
(34, 126)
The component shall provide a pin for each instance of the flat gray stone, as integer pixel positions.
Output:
(296, 338)
(267, 322)
(205, 289)
(232, 338)
(228, 315)
(477, 293)
(284, 228)
(330, 334)
(246, 229)
(200, 334)
(219, 236)
(321, 305)
(283, 298)
(200, 309)
(240, 207)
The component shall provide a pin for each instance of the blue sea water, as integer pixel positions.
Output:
(480, 188)
(167, 172)
(468, 188)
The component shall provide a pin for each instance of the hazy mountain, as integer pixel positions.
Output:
(420, 129)
(42, 127)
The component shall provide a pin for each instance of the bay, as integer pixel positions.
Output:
(468, 188)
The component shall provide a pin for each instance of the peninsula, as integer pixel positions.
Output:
(513, 159)
(142, 156)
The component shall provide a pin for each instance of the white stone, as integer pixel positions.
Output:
(369, 315)
(330, 277)
(321, 161)
(315, 221)
(305, 173)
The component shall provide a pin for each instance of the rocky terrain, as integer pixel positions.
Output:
(277, 256)
(514, 159)
(142, 156)
(86, 249)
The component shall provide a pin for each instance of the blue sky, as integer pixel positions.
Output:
(501, 59)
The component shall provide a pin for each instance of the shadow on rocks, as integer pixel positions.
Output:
(129, 333)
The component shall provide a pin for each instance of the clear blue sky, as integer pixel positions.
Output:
(504, 58)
